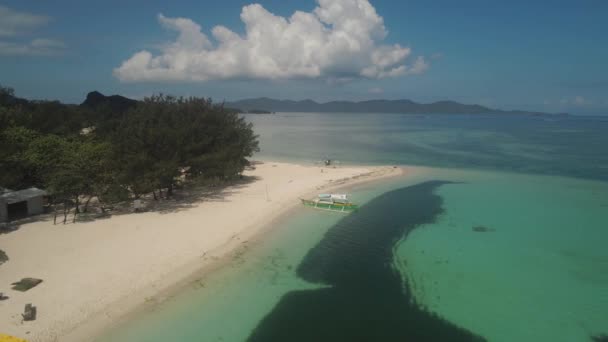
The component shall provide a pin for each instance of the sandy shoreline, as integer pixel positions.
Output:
(97, 272)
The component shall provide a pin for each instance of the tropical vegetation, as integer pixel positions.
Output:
(116, 153)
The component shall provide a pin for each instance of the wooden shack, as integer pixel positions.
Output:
(22, 203)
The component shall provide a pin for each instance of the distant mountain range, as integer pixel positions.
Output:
(371, 106)
(265, 105)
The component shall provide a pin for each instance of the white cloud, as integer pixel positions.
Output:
(37, 47)
(14, 24)
(339, 40)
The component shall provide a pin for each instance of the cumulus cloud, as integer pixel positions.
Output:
(339, 40)
(15, 24)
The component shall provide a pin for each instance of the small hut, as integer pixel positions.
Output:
(22, 203)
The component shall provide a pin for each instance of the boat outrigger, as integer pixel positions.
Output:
(331, 202)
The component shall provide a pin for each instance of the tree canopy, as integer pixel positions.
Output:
(116, 153)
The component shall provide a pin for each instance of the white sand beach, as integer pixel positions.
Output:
(95, 272)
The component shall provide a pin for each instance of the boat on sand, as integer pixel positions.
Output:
(331, 202)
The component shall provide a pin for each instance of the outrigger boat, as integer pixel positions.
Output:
(331, 202)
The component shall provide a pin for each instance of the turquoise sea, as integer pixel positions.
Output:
(500, 234)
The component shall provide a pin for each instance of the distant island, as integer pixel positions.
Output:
(119, 103)
(252, 111)
(372, 106)
(265, 105)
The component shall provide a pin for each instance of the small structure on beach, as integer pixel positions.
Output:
(18, 204)
(26, 284)
(29, 313)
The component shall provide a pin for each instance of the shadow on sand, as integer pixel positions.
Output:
(182, 199)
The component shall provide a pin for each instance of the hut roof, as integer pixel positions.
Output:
(11, 197)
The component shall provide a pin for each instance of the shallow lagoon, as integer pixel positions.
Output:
(538, 271)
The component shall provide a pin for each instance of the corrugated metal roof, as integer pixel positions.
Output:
(21, 195)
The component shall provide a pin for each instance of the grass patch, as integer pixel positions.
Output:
(26, 284)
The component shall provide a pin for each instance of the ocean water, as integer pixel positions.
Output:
(569, 146)
(538, 272)
(501, 236)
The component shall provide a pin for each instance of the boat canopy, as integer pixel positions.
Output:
(334, 196)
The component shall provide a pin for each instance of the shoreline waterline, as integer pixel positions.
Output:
(195, 273)
(130, 305)
(509, 172)
(254, 285)
(202, 285)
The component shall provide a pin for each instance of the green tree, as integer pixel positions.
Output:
(130, 152)
(73, 170)
(16, 172)
(166, 134)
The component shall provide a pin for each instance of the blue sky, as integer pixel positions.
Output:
(533, 55)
